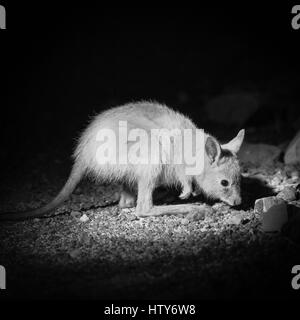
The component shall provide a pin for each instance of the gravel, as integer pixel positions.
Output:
(93, 249)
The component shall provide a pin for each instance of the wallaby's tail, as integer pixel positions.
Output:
(74, 178)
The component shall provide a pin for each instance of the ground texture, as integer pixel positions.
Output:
(93, 249)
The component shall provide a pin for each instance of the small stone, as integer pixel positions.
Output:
(132, 217)
(275, 181)
(287, 194)
(84, 218)
(195, 216)
(264, 204)
(185, 221)
(75, 206)
(274, 213)
(75, 253)
(75, 214)
(86, 239)
(295, 175)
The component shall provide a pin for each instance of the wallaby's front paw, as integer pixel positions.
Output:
(196, 193)
(185, 195)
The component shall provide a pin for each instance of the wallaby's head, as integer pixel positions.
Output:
(222, 174)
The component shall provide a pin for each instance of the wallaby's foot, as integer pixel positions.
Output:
(127, 199)
(143, 208)
(172, 210)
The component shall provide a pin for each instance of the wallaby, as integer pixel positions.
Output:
(219, 179)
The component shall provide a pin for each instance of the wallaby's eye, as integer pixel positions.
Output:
(224, 183)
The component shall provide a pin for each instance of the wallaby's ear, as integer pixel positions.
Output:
(235, 144)
(212, 148)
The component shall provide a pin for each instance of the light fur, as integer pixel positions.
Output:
(140, 180)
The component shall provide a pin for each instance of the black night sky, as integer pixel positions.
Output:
(67, 63)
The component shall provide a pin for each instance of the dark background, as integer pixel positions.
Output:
(65, 63)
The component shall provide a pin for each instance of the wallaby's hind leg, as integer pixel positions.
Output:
(127, 198)
(145, 208)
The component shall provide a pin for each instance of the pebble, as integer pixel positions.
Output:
(75, 214)
(84, 218)
(192, 216)
(275, 181)
(295, 175)
(132, 217)
(75, 253)
(185, 221)
(287, 194)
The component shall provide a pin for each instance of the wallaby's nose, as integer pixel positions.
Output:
(233, 201)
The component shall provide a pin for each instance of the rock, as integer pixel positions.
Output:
(232, 108)
(287, 194)
(86, 239)
(236, 217)
(292, 153)
(295, 175)
(75, 214)
(132, 217)
(258, 154)
(84, 218)
(274, 213)
(194, 216)
(275, 181)
(75, 253)
(185, 221)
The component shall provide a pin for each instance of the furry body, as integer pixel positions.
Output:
(139, 180)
